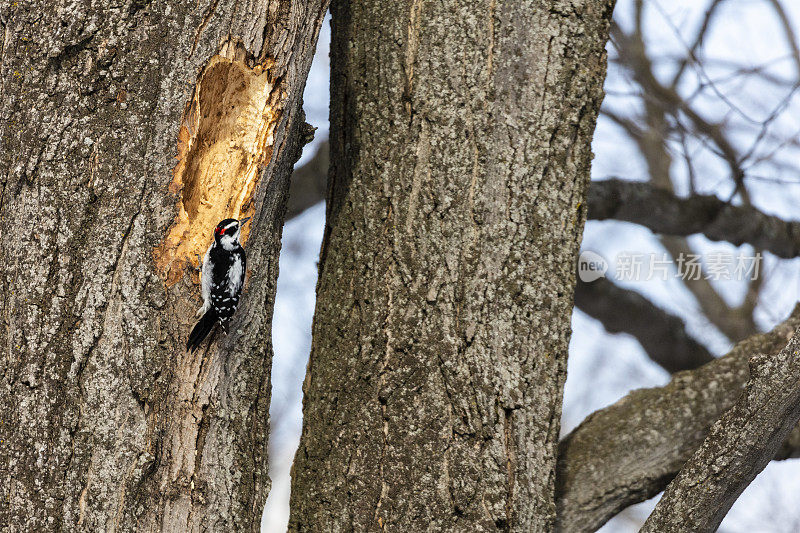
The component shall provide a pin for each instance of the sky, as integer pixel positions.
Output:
(603, 367)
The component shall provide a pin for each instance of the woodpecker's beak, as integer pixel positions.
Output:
(241, 222)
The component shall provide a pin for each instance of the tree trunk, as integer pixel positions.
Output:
(460, 151)
(107, 424)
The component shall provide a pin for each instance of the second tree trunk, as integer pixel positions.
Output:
(460, 150)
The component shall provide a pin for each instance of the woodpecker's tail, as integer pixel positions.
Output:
(201, 330)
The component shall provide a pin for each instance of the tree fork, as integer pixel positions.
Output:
(107, 425)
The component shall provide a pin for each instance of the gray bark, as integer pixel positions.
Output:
(663, 336)
(107, 425)
(738, 447)
(663, 212)
(460, 150)
(629, 451)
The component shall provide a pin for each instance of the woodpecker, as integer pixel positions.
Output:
(221, 280)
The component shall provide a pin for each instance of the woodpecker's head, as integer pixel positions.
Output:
(227, 232)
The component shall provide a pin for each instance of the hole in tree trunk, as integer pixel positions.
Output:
(226, 136)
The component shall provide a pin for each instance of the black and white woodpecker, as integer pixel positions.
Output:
(221, 280)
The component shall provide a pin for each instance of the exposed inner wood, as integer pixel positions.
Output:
(226, 137)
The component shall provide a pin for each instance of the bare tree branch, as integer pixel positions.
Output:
(629, 451)
(632, 54)
(691, 54)
(738, 447)
(308, 183)
(735, 323)
(664, 213)
(662, 335)
(788, 28)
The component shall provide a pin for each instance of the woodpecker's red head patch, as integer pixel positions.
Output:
(227, 226)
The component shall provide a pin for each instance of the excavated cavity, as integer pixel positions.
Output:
(226, 137)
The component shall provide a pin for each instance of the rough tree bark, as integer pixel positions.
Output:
(663, 212)
(629, 451)
(736, 450)
(106, 424)
(662, 335)
(460, 150)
